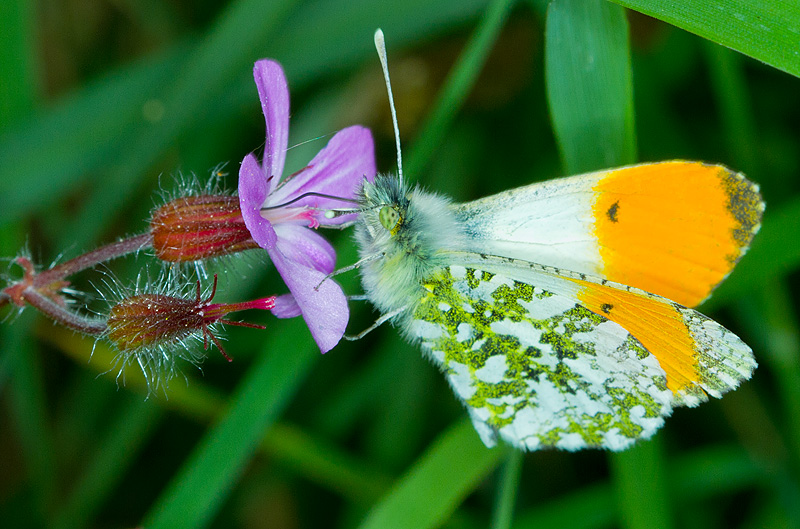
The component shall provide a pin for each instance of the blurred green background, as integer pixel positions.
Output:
(102, 102)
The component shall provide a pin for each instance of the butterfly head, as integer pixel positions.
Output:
(409, 224)
(401, 234)
(383, 207)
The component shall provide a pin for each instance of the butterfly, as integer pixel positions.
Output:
(559, 312)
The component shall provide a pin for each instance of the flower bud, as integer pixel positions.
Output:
(160, 322)
(192, 228)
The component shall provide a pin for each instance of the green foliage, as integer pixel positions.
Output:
(106, 97)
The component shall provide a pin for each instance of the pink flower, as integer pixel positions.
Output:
(280, 221)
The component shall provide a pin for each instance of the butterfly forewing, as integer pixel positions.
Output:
(675, 229)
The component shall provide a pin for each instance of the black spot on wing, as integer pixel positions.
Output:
(613, 211)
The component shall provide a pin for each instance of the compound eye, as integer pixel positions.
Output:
(389, 217)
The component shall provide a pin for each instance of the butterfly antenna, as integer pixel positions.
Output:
(380, 45)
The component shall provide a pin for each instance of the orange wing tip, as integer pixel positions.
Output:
(675, 228)
(722, 359)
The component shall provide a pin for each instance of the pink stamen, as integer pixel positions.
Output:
(304, 215)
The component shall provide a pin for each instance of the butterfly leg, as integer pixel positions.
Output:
(380, 321)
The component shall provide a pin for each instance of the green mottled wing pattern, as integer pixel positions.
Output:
(536, 368)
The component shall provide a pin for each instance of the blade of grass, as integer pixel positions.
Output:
(458, 84)
(395, 431)
(29, 409)
(59, 148)
(17, 61)
(639, 486)
(437, 483)
(589, 84)
(341, 472)
(197, 491)
(692, 478)
(346, 28)
(589, 89)
(355, 394)
(589, 508)
(320, 462)
(735, 107)
(776, 326)
(503, 512)
(768, 31)
(127, 435)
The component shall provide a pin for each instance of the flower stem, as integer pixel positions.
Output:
(63, 315)
(90, 259)
(42, 291)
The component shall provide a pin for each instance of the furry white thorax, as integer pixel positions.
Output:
(409, 253)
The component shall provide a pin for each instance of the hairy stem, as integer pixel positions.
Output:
(64, 316)
(90, 259)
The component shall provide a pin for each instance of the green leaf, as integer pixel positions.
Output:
(768, 30)
(640, 486)
(31, 413)
(507, 490)
(437, 483)
(322, 463)
(59, 148)
(589, 87)
(17, 61)
(692, 478)
(227, 48)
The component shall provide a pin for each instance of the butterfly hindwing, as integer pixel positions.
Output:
(699, 356)
(538, 368)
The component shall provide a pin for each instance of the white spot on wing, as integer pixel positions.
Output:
(461, 380)
(524, 331)
(425, 330)
(493, 371)
(463, 332)
(546, 308)
(458, 272)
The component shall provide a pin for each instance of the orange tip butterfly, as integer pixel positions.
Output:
(559, 311)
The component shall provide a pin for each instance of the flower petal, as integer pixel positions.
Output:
(324, 309)
(306, 247)
(338, 169)
(285, 307)
(252, 193)
(274, 94)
